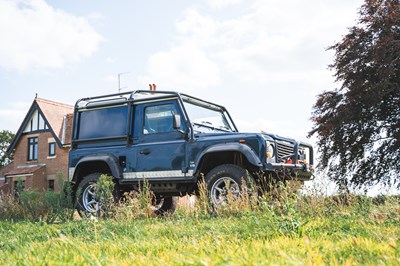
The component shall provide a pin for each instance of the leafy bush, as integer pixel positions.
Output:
(105, 195)
(60, 204)
(33, 205)
(10, 209)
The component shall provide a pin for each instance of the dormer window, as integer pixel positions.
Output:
(32, 149)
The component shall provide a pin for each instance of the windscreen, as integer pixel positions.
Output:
(207, 119)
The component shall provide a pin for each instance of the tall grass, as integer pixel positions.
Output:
(136, 204)
(280, 200)
(32, 205)
(280, 234)
(278, 227)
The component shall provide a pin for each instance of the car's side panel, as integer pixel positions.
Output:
(160, 149)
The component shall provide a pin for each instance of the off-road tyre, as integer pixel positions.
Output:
(228, 177)
(86, 203)
(165, 206)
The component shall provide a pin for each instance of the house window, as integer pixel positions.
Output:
(51, 185)
(52, 149)
(32, 149)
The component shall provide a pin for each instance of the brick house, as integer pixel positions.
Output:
(41, 147)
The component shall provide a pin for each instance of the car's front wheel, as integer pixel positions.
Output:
(226, 182)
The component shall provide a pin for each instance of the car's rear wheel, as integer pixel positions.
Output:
(88, 200)
(165, 205)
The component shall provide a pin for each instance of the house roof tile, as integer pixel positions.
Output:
(55, 114)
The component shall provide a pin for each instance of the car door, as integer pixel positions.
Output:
(160, 148)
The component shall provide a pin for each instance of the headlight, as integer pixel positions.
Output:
(270, 150)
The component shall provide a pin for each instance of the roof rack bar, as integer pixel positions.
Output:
(154, 92)
(94, 98)
(106, 96)
(203, 101)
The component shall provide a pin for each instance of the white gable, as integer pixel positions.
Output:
(35, 123)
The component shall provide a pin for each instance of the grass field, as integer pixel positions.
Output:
(294, 231)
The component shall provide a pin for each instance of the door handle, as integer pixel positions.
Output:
(145, 151)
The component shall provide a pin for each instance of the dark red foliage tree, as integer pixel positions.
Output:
(358, 124)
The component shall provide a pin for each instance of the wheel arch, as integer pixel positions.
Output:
(227, 153)
(105, 164)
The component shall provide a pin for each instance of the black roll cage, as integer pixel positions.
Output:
(147, 95)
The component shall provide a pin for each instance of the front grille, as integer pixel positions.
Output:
(284, 149)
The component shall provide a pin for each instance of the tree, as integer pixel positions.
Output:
(358, 124)
(5, 141)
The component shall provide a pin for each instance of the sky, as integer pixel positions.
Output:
(264, 60)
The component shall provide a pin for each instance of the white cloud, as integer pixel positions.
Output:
(184, 66)
(217, 4)
(266, 41)
(263, 42)
(34, 34)
(264, 60)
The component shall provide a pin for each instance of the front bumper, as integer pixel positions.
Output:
(303, 172)
(295, 166)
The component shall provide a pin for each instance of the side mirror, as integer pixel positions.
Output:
(177, 121)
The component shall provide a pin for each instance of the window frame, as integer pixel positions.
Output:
(51, 184)
(83, 116)
(52, 144)
(145, 131)
(33, 145)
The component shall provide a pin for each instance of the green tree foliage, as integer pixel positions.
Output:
(5, 141)
(358, 124)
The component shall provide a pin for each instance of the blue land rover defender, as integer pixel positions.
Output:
(172, 140)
